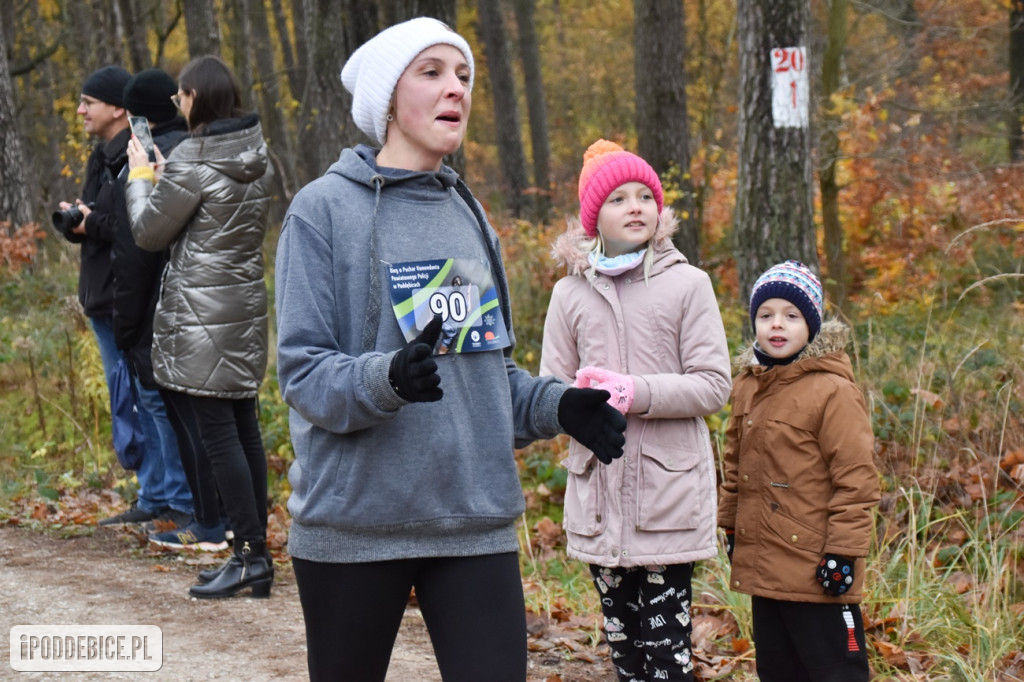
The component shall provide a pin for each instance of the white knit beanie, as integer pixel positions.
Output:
(372, 72)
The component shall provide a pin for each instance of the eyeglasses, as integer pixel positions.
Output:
(176, 98)
(83, 102)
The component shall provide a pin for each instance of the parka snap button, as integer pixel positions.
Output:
(628, 280)
(615, 553)
(625, 552)
(743, 531)
(606, 286)
(598, 518)
(793, 538)
(750, 422)
(746, 478)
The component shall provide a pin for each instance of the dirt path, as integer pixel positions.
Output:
(104, 578)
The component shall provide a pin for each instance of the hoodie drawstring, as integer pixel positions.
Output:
(369, 341)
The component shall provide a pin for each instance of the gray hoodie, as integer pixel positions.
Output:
(376, 478)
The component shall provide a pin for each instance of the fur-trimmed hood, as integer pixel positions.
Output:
(568, 248)
(834, 336)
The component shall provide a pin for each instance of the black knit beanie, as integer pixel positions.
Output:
(148, 94)
(107, 85)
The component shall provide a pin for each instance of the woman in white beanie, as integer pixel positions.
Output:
(404, 475)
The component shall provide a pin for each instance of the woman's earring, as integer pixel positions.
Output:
(390, 117)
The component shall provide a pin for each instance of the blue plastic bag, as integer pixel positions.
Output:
(126, 423)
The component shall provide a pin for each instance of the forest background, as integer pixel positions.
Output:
(913, 153)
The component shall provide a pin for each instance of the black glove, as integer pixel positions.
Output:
(585, 414)
(413, 372)
(835, 574)
(730, 542)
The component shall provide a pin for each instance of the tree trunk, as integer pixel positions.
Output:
(202, 28)
(133, 27)
(301, 49)
(491, 31)
(326, 125)
(269, 94)
(14, 197)
(284, 37)
(829, 151)
(774, 216)
(1016, 119)
(397, 11)
(241, 47)
(536, 106)
(662, 122)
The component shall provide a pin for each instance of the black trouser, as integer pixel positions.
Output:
(472, 606)
(802, 642)
(222, 451)
(647, 620)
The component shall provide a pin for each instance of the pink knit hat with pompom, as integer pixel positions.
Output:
(606, 166)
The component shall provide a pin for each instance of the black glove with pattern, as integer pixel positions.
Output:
(835, 574)
(413, 372)
(585, 414)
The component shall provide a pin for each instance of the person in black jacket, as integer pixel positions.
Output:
(163, 486)
(103, 113)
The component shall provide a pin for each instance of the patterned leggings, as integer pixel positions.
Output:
(647, 620)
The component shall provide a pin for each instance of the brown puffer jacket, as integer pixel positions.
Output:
(800, 479)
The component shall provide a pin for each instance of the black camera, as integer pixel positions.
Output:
(65, 221)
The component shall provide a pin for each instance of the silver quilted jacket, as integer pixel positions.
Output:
(210, 207)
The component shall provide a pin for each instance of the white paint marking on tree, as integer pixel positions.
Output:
(790, 87)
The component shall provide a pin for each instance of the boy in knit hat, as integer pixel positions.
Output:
(799, 485)
(634, 318)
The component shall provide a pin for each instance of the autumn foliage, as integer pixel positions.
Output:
(933, 219)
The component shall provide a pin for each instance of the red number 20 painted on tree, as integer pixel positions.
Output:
(787, 59)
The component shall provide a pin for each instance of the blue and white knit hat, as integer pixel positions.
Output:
(794, 282)
(373, 70)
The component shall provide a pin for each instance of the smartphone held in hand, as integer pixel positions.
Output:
(140, 128)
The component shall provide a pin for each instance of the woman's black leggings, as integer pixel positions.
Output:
(472, 606)
(222, 436)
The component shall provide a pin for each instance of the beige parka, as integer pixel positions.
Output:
(656, 504)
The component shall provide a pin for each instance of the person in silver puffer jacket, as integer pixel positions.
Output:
(209, 202)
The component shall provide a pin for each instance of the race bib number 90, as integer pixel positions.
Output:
(461, 291)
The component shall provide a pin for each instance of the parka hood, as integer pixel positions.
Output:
(568, 249)
(239, 152)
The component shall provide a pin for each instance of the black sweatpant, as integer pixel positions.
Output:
(801, 642)
(472, 606)
(222, 451)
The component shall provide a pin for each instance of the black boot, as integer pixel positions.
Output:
(210, 574)
(250, 566)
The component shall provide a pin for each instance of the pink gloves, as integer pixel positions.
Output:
(620, 386)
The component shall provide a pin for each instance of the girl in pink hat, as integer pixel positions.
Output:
(634, 318)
